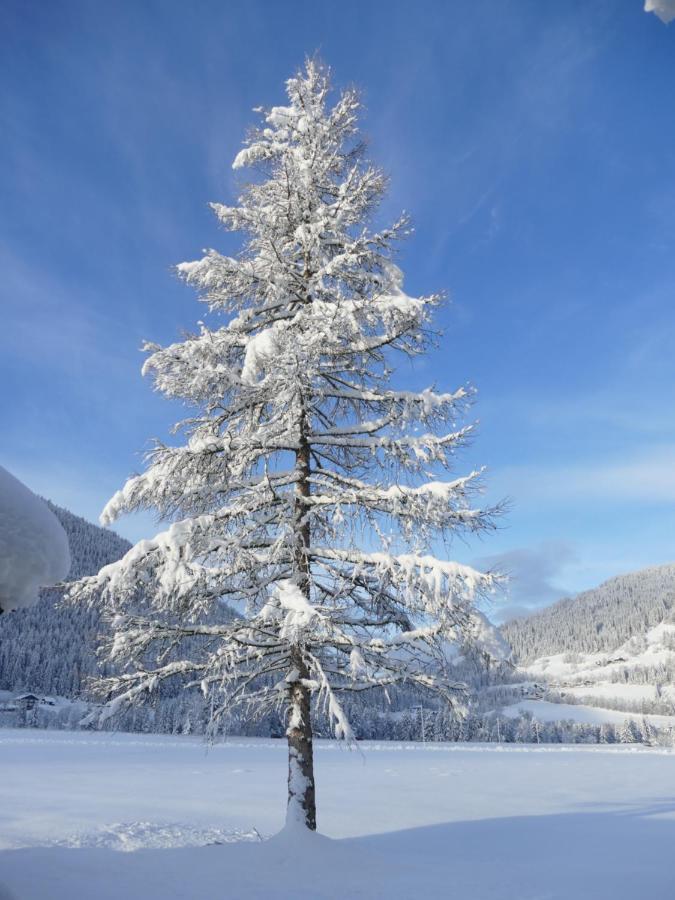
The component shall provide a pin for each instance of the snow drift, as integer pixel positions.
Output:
(33, 546)
(664, 9)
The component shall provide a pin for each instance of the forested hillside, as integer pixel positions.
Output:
(50, 649)
(611, 648)
(598, 620)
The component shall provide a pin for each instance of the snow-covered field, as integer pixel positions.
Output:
(406, 821)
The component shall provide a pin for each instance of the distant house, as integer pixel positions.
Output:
(27, 701)
(25, 706)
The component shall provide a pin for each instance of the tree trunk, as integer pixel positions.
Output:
(301, 795)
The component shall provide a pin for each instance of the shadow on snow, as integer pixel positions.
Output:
(600, 855)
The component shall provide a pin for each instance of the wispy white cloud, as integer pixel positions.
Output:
(647, 477)
(608, 407)
(538, 97)
(44, 320)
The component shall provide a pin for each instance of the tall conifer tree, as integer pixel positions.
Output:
(307, 493)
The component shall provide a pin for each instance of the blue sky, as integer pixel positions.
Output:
(533, 143)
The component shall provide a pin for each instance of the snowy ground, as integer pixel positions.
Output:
(407, 821)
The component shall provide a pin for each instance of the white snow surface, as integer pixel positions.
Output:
(34, 549)
(401, 821)
(664, 9)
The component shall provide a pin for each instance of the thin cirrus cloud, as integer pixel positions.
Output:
(647, 476)
(69, 330)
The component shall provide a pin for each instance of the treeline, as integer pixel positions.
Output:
(187, 714)
(643, 706)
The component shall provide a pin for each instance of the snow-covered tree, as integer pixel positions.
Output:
(307, 493)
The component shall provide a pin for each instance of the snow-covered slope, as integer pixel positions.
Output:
(612, 647)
